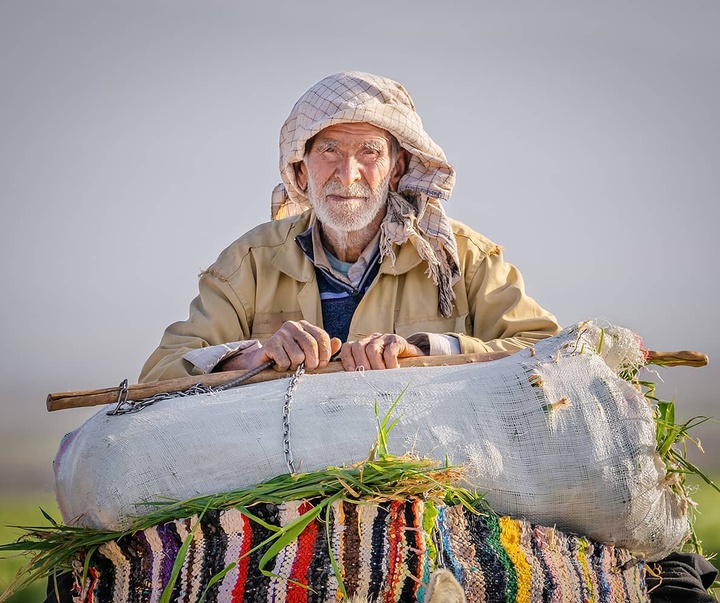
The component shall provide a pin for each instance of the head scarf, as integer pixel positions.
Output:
(414, 212)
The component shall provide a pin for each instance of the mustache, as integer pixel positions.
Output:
(356, 189)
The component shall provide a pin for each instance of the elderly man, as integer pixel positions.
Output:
(360, 254)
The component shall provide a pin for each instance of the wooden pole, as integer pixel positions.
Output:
(80, 399)
(680, 358)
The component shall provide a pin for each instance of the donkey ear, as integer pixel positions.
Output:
(444, 588)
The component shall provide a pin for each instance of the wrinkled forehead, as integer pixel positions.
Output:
(352, 135)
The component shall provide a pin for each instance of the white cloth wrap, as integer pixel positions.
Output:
(588, 465)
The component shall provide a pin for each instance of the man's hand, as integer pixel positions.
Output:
(378, 351)
(291, 344)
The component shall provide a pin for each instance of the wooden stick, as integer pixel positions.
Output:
(97, 397)
(680, 358)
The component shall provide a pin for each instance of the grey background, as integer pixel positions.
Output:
(138, 139)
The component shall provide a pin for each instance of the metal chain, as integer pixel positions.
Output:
(126, 407)
(286, 417)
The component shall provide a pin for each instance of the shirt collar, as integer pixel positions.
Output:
(311, 244)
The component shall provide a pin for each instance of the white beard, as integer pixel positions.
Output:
(351, 215)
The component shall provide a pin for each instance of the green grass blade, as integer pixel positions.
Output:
(179, 561)
(86, 564)
(48, 517)
(333, 561)
(290, 533)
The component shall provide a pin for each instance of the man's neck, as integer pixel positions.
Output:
(347, 246)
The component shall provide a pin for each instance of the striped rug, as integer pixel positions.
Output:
(384, 552)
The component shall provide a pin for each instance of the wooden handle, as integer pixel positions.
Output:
(680, 358)
(97, 397)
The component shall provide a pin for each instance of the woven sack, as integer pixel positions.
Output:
(551, 434)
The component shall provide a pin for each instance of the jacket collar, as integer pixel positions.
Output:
(406, 258)
(291, 259)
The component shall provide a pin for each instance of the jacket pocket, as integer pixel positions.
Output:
(267, 323)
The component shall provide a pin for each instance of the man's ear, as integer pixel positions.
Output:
(401, 164)
(301, 175)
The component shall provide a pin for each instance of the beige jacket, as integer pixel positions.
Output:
(264, 279)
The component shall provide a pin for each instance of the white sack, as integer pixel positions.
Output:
(588, 465)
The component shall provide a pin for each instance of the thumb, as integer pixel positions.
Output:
(335, 345)
(410, 351)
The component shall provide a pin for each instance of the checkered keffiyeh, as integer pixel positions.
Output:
(415, 214)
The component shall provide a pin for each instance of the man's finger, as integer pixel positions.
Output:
(284, 349)
(321, 344)
(390, 354)
(302, 342)
(359, 356)
(324, 347)
(353, 357)
(374, 352)
(307, 349)
(280, 356)
(346, 357)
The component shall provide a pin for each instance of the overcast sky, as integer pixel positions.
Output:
(139, 138)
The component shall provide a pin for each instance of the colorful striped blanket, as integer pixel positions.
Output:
(384, 551)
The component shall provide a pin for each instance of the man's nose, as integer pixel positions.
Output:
(349, 170)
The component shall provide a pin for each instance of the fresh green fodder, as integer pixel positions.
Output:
(381, 476)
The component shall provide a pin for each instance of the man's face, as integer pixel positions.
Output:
(347, 173)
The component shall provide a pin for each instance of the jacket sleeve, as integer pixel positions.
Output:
(502, 316)
(681, 577)
(216, 316)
